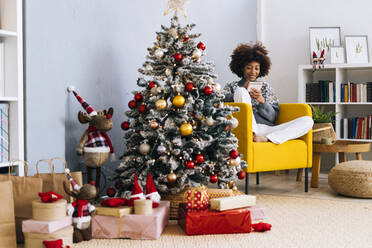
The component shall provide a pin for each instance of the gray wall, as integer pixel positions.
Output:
(98, 45)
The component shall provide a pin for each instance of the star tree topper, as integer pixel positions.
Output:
(177, 5)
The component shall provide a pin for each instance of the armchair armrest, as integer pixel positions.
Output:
(244, 131)
(291, 111)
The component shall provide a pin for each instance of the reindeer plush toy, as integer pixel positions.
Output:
(81, 209)
(95, 145)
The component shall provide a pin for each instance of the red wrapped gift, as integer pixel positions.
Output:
(198, 222)
(197, 198)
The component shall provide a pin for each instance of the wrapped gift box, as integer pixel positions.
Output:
(218, 193)
(132, 226)
(45, 226)
(257, 213)
(35, 240)
(119, 211)
(49, 211)
(198, 222)
(238, 201)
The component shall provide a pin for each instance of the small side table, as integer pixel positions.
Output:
(341, 147)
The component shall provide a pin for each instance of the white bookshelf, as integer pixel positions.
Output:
(338, 73)
(11, 34)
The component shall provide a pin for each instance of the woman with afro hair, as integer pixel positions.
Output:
(250, 62)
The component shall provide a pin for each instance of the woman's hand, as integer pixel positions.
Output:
(256, 94)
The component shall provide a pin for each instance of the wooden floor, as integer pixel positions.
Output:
(285, 184)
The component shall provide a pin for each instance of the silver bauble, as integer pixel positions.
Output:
(197, 53)
(209, 121)
(235, 162)
(158, 53)
(234, 122)
(161, 149)
(144, 148)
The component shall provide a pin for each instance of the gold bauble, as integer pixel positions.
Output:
(186, 129)
(178, 101)
(154, 124)
(234, 188)
(158, 37)
(172, 177)
(161, 104)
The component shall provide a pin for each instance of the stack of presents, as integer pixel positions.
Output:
(59, 220)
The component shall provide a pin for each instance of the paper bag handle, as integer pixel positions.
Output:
(12, 164)
(64, 163)
(51, 169)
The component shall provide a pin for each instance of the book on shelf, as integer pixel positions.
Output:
(323, 91)
(356, 128)
(356, 92)
(2, 69)
(4, 132)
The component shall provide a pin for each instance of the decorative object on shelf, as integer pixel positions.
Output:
(321, 60)
(315, 60)
(337, 55)
(323, 127)
(323, 38)
(356, 49)
(95, 145)
(81, 210)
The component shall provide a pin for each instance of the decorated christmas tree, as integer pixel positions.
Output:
(177, 128)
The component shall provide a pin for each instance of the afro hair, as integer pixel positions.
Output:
(244, 54)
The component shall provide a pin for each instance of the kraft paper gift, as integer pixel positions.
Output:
(54, 181)
(7, 224)
(25, 190)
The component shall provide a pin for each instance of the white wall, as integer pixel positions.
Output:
(98, 46)
(285, 31)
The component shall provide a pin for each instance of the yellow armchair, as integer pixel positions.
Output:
(268, 156)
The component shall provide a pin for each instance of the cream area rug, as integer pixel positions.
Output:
(296, 222)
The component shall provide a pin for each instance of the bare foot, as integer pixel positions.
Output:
(259, 138)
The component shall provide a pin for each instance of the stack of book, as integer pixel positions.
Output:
(4, 134)
(353, 92)
(356, 128)
(322, 91)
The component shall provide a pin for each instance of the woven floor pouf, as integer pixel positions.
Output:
(352, 178)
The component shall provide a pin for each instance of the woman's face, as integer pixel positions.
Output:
(251, 71)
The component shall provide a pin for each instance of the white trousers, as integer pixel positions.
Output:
(280, 133)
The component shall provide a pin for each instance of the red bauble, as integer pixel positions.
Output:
(132, 104)
(186, 39)
(190, 86)
(125, 125)
(111, 192)
(241, 175)
(177, 57)
(213, 178)
(117, 184)
(234, 154)
(201, 45)
(208, 90)
(190, 164)
(199, 158)
(138, 97)
(152, 84)
(142, 108)
(138, 131)
(227, 128)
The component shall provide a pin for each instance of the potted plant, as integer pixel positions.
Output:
(323, 131)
